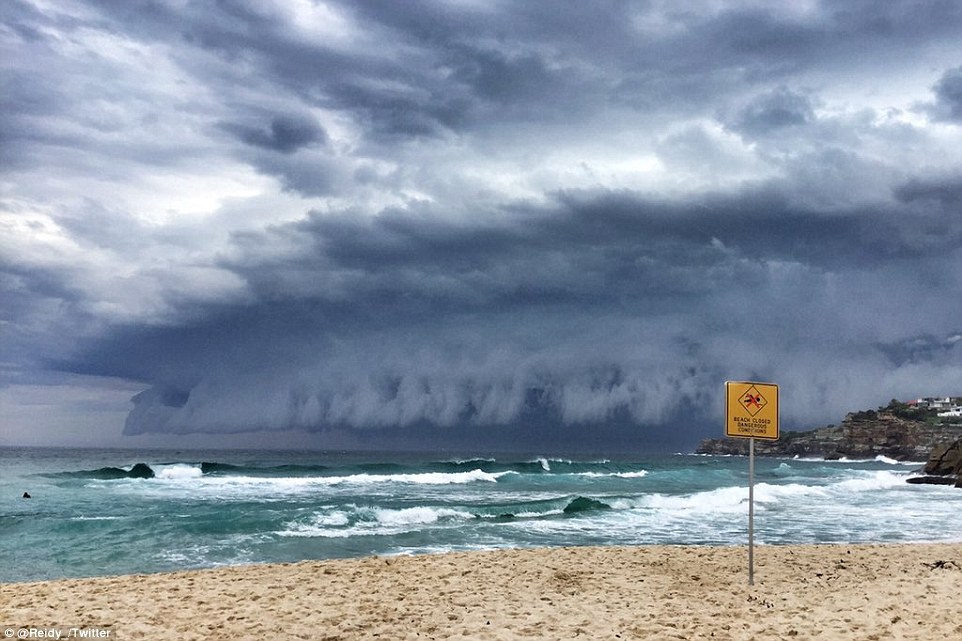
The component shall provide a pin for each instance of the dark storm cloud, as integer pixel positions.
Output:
(948, 91)
(436, 218)
(944, 191)
(408, 319)
(585, 245)
(286, 133)
(774, 110)
(924, 349)
(275, 151)
(397, 95)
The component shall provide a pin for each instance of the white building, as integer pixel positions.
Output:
(954, 411)
(936, 403)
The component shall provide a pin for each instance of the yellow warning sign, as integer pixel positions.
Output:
(751, 410)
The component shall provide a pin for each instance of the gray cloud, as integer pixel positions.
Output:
(943, 191)
(459, 222)
(287, 133)
(605, 306)
(775, 110)
(948, 92)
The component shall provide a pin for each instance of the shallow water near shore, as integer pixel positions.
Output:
(92, 512)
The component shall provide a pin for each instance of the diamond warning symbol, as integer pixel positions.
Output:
(753, 401)
(751, 409)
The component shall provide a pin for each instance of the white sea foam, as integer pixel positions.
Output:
(535, 515)
(333, 519)
(293, 483)
(177, 471)
(295, 530)
(371, 521)
(621, 475)
(632, 475)
(325, 524)
(734, 499)
(423, 478)
(726, 499)
(892, 461)
(844, 460)
(784, 470)
(879, 480)
(417, 515)
(771, 493)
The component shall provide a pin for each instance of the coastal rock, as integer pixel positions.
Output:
(945, 459)
(931, 480)
(862, 435)
(140, 471)
(944, 465)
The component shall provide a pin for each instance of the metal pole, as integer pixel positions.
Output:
(751, 511)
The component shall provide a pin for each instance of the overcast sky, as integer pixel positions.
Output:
(472, 223)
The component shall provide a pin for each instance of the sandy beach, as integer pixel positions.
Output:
(802, 592)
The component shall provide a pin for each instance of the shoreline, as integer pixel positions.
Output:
(825, 591)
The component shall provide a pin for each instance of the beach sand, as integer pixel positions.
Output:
(858, 592)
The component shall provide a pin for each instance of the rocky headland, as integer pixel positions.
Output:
(861, 435)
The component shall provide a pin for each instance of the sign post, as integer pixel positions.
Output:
(751, 411)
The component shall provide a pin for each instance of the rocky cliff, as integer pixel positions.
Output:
(862, 435)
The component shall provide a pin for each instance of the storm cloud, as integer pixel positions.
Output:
(469, 223)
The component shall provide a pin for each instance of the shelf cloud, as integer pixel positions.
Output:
(473, 223)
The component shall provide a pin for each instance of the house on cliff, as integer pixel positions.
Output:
(934, 403)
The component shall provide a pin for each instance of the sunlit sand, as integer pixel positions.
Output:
(659, 592)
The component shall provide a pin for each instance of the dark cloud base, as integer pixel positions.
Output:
(608, 313)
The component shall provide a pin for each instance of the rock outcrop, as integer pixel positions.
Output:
(944, 466)
(862, 435)
(140, 471)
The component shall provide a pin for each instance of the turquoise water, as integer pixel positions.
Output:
(88, 516)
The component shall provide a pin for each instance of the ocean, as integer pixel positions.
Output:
(89, 515)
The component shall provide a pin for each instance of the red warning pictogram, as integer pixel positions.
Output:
(753, 401)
